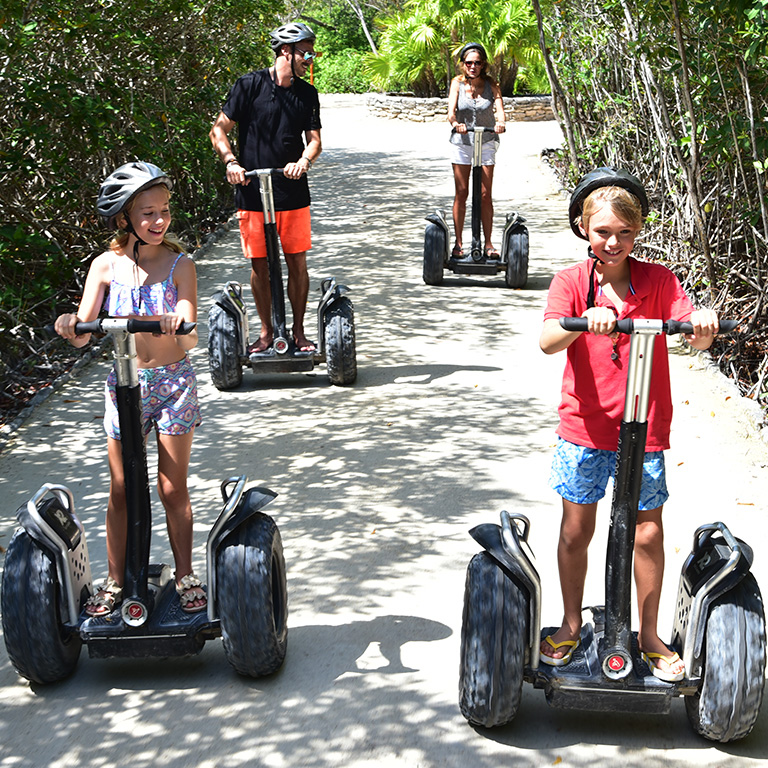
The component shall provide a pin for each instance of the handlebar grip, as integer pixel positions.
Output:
(153, 326)
(575, 324)
(94, 326)
(671, 327)
(675, 326)
(257, 171)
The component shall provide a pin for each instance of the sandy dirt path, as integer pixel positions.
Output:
(451, 420)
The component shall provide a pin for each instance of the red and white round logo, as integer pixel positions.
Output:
(616, 663)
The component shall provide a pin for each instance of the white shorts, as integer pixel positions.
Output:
(461, 154)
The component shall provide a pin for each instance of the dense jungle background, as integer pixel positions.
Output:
(675, 90)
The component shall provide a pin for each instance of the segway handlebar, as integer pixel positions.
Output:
(470, 131)
(257, 171)
(128, 324)
(628, 326)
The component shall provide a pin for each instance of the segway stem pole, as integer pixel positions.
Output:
(280, 335)
(132, 444)
(477, 191)
(134, 453)
(477, 188)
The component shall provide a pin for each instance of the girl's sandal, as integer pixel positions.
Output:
(190, 589)
(108, 596)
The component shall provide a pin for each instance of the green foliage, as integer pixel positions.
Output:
(342, 73)
(86, 86)
(419, 42)
(340, 28)
(677, 92)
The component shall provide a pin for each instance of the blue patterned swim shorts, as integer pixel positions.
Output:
(168, 400)
(581, 475)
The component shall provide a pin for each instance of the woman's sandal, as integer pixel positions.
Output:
(457, 251)
(189, 589)
(108, 596)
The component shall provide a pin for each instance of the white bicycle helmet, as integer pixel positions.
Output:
(123, 184)
(290, 34)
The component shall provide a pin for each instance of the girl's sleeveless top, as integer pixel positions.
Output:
(145, 300)
(475, 112)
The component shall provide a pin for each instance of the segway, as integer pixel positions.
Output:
(47, 574)
(228, 340)
(719, 625)
(513, 259)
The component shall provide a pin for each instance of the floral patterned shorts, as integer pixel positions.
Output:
(168, 400)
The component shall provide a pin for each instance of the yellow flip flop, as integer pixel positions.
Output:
(669, 677)
(572, 645)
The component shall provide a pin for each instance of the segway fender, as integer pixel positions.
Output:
(49, 518)
(239, 506)
(252, 501)
(488, 536)
(715, 566)
(438, 217)
(230, 299)
(514, 223)
(339, 291)
(518, 566)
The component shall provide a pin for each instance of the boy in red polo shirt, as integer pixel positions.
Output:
(607, 208)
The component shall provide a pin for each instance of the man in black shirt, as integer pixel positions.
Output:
(276, 113)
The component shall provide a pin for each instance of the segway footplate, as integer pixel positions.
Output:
(582, 685)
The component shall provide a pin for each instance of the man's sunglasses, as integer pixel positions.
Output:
(307, 55)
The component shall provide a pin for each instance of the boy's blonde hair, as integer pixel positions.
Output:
(623, 203)
(119, 241)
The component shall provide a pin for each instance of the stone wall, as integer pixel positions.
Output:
(518, 108)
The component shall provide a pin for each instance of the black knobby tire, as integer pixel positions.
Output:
(38, 644)
(224, 349)
(340, 352)
(252, 597)
(516, 275)
(494, 634)
(434, 253)
(728, 702)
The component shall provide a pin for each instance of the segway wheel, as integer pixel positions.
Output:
(727, 705)
(516, 275)
(39, 646)
(434, 251)
(223, 349)
(340, 352)
(252, 597)
(493, 643)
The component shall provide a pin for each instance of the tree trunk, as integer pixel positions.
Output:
(559, 100)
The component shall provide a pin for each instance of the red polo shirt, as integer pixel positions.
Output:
(594, 385)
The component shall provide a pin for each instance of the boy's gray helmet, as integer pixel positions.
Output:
(289, 34)
(124, 183)
(603, 177)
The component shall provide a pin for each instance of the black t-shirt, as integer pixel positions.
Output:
(271, 123)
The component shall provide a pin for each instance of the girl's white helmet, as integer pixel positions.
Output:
(124, 183)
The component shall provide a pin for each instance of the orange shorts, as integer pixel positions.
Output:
(293, 229)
